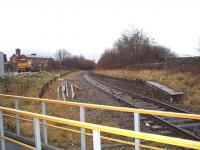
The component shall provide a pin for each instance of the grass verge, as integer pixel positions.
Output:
(186, 82)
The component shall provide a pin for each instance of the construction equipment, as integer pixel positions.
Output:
(24, 65)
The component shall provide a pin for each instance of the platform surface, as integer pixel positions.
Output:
(164, 88)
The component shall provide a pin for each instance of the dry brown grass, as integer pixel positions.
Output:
(186, 82)
(31, 87)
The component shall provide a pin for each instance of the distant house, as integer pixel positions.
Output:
(15, 58)
(38, 60)
(35, 59)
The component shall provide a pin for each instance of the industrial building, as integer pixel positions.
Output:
(39, 61)
(35, 59)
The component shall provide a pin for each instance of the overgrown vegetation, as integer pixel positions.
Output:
(133, 47)
(26, 86)
(30, 86)
(70, 61)
(186, 82)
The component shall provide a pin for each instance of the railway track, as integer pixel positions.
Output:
(185, 128)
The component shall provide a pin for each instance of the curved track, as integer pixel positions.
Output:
(186, 128)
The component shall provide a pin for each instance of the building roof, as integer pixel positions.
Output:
(36, 56)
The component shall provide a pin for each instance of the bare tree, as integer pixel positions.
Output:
(70, 61)
(134, 47)
(62, 54)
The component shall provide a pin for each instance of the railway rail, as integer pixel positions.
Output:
(186, 128)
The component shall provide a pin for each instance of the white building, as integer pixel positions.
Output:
(1, 64)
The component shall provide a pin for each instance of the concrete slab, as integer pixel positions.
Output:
(164, 88)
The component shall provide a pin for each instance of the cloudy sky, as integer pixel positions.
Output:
(87, 27)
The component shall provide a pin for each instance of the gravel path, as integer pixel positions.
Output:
(90, 94)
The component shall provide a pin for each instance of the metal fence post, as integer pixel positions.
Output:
(37, 133)
(83, 137)
(58, 91)
(137, 129)
(3, 147)
(96, 140)
(17, 118)
(171, 99)
(63, 92)
(44, 127)
(67, 91)
(72, 91)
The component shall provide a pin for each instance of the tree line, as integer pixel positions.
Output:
(66, 60)
(133, 47)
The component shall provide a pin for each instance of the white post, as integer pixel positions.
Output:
(58, 91)
(83, 138)
(63, 92)
(45, 136)
(171, 99)
(96, 140)
(3, 146)
(72, 91)
(67, 91)
(137, 129)
(17, 118)
(37, 134)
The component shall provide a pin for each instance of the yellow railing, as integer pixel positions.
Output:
(156, 138)
(87, 134)
(19, 143)
(112, 108)
(111, 130)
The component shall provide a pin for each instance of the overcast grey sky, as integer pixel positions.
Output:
(87, 27)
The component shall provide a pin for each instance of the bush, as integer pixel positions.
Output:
(134, 47)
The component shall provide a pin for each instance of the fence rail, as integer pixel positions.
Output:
(97, 129)
(137, 135)
(112, 108)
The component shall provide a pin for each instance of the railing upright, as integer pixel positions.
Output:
(67, 91)
(3, 147)
(63, 92)
(44, 127)
(96, 140)
(72, 91)
(37, 134)
(83, 137)
(58, 91)
(137, 129)
(17, 118)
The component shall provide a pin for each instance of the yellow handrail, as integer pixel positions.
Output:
(89, 134)
(116, 131)
(113, 108)
(19, 143)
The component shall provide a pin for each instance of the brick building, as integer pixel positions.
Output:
(35, 59)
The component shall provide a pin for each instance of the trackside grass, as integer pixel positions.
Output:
(186, 82)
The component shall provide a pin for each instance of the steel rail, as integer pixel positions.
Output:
(170, 107)
(178, 130)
